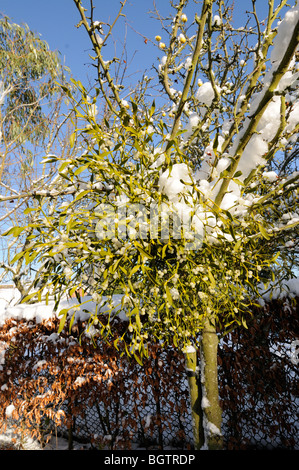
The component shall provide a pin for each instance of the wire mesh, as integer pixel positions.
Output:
(111, 402)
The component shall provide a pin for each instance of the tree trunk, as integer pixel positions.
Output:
(210, 395)
(195, 396)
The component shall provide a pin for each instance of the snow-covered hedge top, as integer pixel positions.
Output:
(45, 311)
(41, 311)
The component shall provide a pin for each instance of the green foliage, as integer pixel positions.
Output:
(98, 239)
(167, 289)
(28, 69)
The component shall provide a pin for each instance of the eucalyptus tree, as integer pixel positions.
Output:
(33, 123)
(185, 204)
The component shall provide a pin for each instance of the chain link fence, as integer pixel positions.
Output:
(93, 394)
(258, 370)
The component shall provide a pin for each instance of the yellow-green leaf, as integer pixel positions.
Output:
(134, 270)
(62, 313)
(211, 277)
(72, 139)
(264, 232)
(168, 295)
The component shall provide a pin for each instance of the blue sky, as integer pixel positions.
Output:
(55, 20)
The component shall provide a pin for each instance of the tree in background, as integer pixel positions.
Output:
(183, 206)
(33, 123)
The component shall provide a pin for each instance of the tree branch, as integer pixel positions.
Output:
(258, 113)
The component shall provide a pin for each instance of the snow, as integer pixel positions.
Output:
(125, 104)
(293, 118)
(229, 200)
(43, 311)
(222, 164)
(282, 39)
(9, 438)
(270, 176)
(217, 20)
(270, 120)
(99, 39)
(37, 312)
(172, 181)
(148, 421)
(289, 288)
(205, 95)
(178, 183)
(193, 121)
(3, 346)
(162, 63)
(8, 296)
(211, 429)
(39, 364)
(189, 349)
(253, 156)
(188, 63)
(9, 411)
(205, 402)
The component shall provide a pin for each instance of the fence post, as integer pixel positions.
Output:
(158, 405)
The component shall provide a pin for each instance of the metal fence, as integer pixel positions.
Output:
(260, 409)
(150, 414)
(111, 402)
(259, 380)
